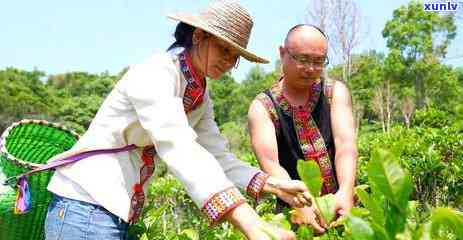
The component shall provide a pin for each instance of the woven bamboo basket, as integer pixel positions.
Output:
(23, 146)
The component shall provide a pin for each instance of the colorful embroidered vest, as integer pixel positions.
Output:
(304, 133)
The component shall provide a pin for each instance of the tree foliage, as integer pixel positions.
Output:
(405, 100)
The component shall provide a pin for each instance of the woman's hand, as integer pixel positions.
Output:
(293, 192)
(253, 227)
(309, 216)
(266, 231)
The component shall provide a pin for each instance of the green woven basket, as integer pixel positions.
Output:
(24, 146)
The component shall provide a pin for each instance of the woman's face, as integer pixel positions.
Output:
(213, 56)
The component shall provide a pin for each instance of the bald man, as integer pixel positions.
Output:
(304, 116)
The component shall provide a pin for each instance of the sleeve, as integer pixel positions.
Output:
(151, 91)
(243, 175)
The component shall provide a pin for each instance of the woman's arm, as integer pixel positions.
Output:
(150, 88)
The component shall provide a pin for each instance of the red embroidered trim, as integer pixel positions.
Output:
(196, 86)
(221, 203)
(146, 171)
(256, 185)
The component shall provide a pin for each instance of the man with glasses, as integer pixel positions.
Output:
(306, 116)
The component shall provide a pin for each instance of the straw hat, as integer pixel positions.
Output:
(227, 20)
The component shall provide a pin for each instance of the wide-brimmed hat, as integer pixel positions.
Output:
(227, 20)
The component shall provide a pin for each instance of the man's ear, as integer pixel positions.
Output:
(281, 50)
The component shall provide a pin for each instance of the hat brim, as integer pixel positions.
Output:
(198, 23)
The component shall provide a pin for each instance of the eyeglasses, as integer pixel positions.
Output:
(138, 198)
(308, 61)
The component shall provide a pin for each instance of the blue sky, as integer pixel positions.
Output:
(96, 36)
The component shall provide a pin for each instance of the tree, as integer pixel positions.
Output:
(23, 95)
(366, 86)
(256, 82)
(408, 107)
(422, 39)
(340, 19)
(459, 72)
(318, 13)
(222, 92)
(83, 83)
(78, 112)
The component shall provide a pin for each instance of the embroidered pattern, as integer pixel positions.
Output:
(196, 86)
(267, 102)
(256, 185)
(146, 171)
(221, 203)
(193, 97)
(310, 139)
(328, 89)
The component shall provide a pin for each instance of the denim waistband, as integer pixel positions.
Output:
(57, 199)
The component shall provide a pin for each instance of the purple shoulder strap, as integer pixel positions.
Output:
(69, 160)
(23, 198)
(78, 157)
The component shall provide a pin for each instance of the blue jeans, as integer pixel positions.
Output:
(70, 219)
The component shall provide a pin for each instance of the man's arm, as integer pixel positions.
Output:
(264, 144)
(263, 140)
(343, 128)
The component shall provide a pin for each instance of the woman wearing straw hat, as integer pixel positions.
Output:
(161, 109)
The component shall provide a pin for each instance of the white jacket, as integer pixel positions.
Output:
(145, 108)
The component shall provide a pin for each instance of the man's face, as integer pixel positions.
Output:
(303, 58)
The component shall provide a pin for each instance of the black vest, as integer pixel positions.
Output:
(289, 150)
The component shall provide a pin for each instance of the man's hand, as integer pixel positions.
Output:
(343, 203)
